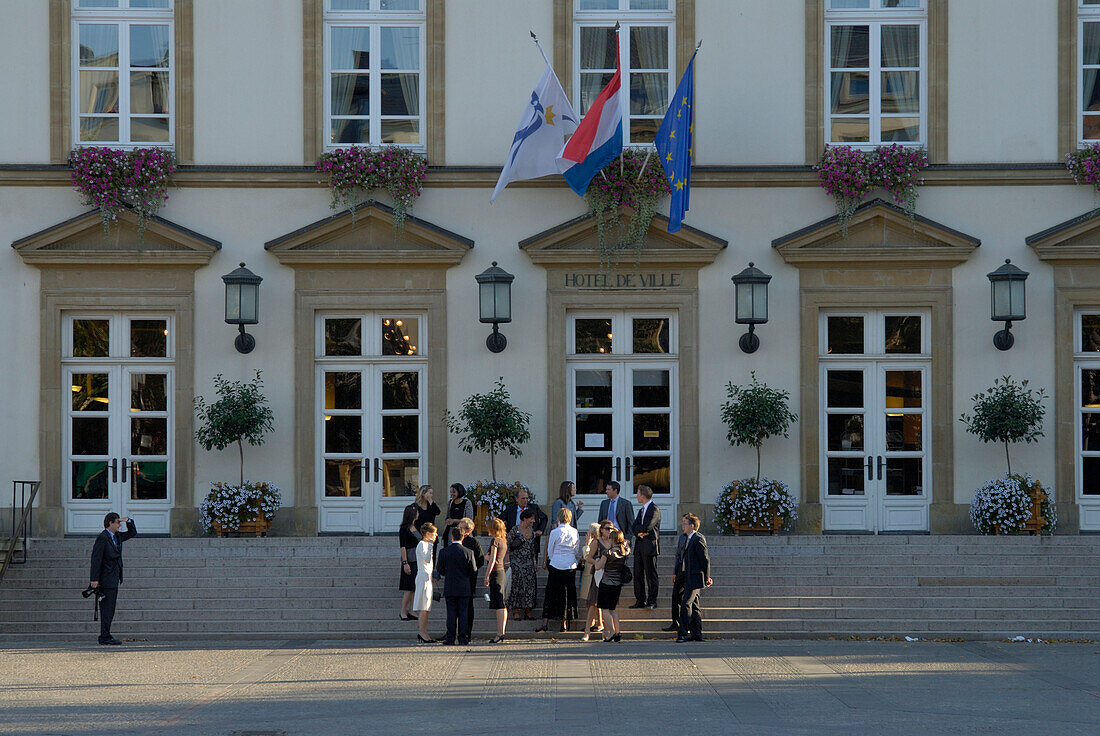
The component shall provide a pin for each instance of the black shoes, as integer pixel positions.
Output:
(540, 630)
(682, 639)
(422, 640)
(672, 627)
(407, 617)
(112, 642)
(650, 606)
(638, 604)
(497, 639)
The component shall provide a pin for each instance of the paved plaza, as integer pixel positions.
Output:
(715, 687)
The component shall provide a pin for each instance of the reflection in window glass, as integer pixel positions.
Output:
(903, 334)
(844, 336)
(400, 477)
(845, 432)
(651, 335)
(90, 436)
(1090, 388)
(90, 392)
(148, 436)
(401, 390)
(903, 389)
(343, 336)
(150, 480)
(593, 336)
(148, 392)
(654, 472)
(400, 434)
(845, 476)
(1090, 333)
(844, 389)
(343, 478)
(903, 433)
(651, 388)
(91, 338)
(593, 389)
(592, 474)
(400, 336)
(89, 480)
(343, 434)
(904, 477)
(148, 338)
(343, 390)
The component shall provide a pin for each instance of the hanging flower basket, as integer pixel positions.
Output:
(353, 174)
(113, 179)
(1014, 503)
(849, 174)
(247, 508)
(751, 505)
(623, 198)
(1084, 164)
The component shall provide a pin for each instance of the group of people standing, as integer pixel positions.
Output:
(446, 561)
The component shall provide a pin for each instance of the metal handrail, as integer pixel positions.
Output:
(21, 526)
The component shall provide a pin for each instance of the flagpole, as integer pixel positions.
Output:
(649, 151)
(536, 40)
(619, 64)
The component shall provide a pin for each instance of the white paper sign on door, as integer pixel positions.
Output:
(593, 440)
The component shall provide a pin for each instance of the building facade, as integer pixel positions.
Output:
(880, 331)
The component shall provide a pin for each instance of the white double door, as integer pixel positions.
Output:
(875, 446)
(118, 436)
(373, 444)
(624, 426)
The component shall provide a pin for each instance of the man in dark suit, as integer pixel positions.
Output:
(469, 541)
(696, 575)
(647, 546)
(677, 584)
(618, 510)
(513, 510)
(107, 569)
(458, 569)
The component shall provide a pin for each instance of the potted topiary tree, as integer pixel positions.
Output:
(1009, 412)
(490, 423)
(240, 415)
(752, 414)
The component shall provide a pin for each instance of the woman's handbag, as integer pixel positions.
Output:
(627, 577)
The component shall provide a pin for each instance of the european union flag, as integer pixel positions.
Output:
(675, 148)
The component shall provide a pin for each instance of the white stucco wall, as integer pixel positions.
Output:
(24, 82)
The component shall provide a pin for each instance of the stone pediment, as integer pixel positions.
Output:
(577, 242)
(879, 233)
(367, 236)
(82, 241)
(1077, 239)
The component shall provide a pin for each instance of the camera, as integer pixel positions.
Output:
(89, 591)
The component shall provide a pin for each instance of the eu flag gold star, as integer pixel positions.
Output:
(684, 102)
(680, 184)
(672, 134)
(669, 156)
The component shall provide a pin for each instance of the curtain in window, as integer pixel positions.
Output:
(401, 50)
(648, 50)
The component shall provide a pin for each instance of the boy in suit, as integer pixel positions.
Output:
(696, 574)
(457, 568)
(107, 570)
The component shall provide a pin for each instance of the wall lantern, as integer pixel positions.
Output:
(495, 287)
(1008, 304)
(750, 304)
(242, 304)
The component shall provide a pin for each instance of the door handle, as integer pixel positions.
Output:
(618, 469)
(114, 470)
(123, 470)
(881, 462)
(377, 469)
(628, 476)
(870, 467)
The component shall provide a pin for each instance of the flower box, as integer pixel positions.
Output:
(771, 528)
(1011, 504)
(751, 505)
(257, 526)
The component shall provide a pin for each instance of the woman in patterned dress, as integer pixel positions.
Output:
(523, 550)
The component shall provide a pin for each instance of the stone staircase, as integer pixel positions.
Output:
(785, 586)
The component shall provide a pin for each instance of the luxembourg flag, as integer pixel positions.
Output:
(599, 137)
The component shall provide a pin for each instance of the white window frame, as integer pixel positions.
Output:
(375, 19)
(123, 17)
(1086, 13)
(626, 18)
(1082, 361)
(876, 17)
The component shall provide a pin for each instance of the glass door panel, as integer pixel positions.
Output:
(89, 431)
(650, 448)
(147, 456)
(902, 441)
(596, 394)
(402, 430)
(845, 418)
(342, 428)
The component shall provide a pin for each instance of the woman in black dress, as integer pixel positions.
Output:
(408, 537)
(426, 511)
(495, 570)
(458, 509)
(612, 563)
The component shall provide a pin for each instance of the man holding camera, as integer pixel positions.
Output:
(107, 570)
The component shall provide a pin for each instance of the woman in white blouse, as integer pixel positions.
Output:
(422, 599)
(562, 548)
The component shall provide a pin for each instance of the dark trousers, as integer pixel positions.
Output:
(691, 623)
(645, 576)
(458, 618)
(467, 632)
(107, 612)
(677, 598)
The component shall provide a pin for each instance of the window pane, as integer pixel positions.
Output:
(1090, 333)
(149, 130)
(400, 336)
(343, 478)
(648, 47)
(350, 4)
(148, 436)
(900, 129)
(401, 131)
(651, 432)
(150, 481)
(903, 433)
(901, 3)
(900, 46)
(591, 84)
(644, 130)
(400, 477)
(593, 473)
(350, 131)
(848, 4)
(401, 390)
(903, 334)
(343, 390)
(653, 472)
(593, 336)
(845, 432)
(90, 392)
(651, 389)
(903, 476)
(845, 476)
(400, 48)
(901, 92)
(89, 480)
(400, 94)
(844, 389)
(343, 434)
(1090, 90)
(651, 335)
(594, 431)
(649, 4)
(149, 46)
(343, 336)
(850, 46)
(1090, 476)
(850, 130)
(98, 92)
(597, 48)
(160, 4)
(648, 94)
(599, 4)
(593, 389)
(399, 5)
(903, 389)
(1090, 432)
(845, 336)
(149, 93)
(98, 129)
(349, 48)
(401, 434)
(1090, 388)
(97, 3)
(1091, 127)
(850, 93)
(98, 45)
(350, 94)
(1090, 43)
(148, 392)
(148, 338)
(91, 338)
(90, 436)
